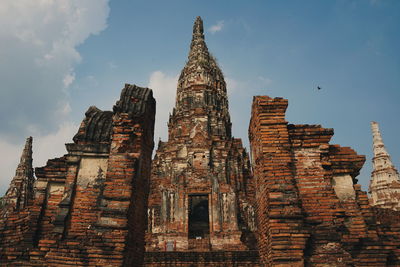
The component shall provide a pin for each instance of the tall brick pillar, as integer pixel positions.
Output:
(282, 235)
(124, 199)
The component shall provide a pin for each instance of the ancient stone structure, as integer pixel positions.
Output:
(201, 187)
(200, 203)
(385, 180)
(310, 209)
(89, 206)
(20, 191)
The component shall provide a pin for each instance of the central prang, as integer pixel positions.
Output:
(201, 183)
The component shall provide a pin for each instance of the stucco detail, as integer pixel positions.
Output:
(343, 185)
(90, 169)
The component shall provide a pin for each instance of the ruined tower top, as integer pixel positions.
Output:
(201, 67)
(201, 173)
(26, 157)
(378, 145)
(201, 93)
(198, 28)
(385, 180)
(21, 186)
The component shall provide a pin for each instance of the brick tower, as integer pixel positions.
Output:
(201, 187)
(385, 181)
(20, 191)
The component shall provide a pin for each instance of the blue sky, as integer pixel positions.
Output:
(57, 58)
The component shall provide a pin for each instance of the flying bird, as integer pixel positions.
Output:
(319, 88)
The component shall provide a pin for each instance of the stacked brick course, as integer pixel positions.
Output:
(202, 258)
(199, 202)
(282, 235)
(201, 167)
(89, 206)
(308, 202)
(20, 192)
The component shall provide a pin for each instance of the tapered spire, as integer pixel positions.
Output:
(378, 145)
(385, 181)
(198, 30)
(202, 89)
(21, 186)
(201, 67)
(198, 45)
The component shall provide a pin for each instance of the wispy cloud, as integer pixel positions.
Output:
(44, 147)
(68, 79)
(231, 85)
(217, 27)
(164, 89)
(38, 51)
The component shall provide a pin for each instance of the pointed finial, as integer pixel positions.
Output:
(27, 152)
(200, 60)
(198, 27)
(21, 186)
(378, 145)
(385, 180)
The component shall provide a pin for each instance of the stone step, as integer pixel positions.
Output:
(249, 257)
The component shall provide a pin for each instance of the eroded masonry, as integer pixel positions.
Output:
(385, 179)
(199, 201)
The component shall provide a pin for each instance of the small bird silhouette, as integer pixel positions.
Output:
(319, 88)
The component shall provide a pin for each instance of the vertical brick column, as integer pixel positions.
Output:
(64, 210)
(123, 203)
(123, 166)
(282, 235)
(321, 207)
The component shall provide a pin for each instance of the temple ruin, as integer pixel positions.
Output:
(201, 172)
(203, 200)
(385, 179)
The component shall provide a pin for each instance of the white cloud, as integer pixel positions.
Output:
(37, 59)
(231, 85)
(164, 90)
(53, 145)
(68, 79)
(44, 147)
(217, 27)
(8, 163)
(65, 109)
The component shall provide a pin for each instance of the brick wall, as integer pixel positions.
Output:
(281, 231)
(89, 207)
(307, 195)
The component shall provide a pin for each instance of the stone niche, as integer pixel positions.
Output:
(56, 188)
(91, 169)
(200, 160)
(343, 186)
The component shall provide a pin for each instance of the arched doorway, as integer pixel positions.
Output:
(199, 220)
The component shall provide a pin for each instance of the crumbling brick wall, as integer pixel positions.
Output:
(89, 207)
(202, 259)
(308, 199)
(281, 231)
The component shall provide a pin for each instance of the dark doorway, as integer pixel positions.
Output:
(199, 222)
